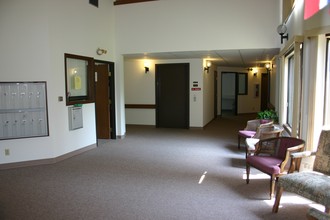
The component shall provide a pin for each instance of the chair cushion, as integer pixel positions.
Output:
(311, 185)
(266, 164)
(246, 134)
(251, 142)
(264, 121)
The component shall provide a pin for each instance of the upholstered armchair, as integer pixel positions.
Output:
(313, 185)
(272, 156)
(251, 129)
(263, 132)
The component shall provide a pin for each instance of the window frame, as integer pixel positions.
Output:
(86, 80)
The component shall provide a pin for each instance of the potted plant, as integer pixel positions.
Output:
(268, 114)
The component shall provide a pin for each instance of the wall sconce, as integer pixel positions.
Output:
(255, 72)
(249, 69)
(146, 66)
(208, 65)
(267, 66)
(281, 30)
(100, 51)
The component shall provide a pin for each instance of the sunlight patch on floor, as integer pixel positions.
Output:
(256, 176)
(202, 178)
(294, 199)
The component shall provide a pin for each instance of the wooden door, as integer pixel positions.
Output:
(102, 102)
(172, 95)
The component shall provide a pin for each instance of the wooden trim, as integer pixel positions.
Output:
(46, 161)
(143, 106)
(122, 2)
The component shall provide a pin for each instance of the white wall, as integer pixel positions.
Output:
(185, 25)
(208, 94)
(35, 34)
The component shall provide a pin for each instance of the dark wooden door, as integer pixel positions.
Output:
(102, 102)
(264, 92)
(172, 95)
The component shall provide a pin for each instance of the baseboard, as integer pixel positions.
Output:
(121, 136)
(196, 128)
(46, 161)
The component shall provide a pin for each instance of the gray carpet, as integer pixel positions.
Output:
(153, 173)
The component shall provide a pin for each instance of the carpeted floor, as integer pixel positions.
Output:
(152, 173)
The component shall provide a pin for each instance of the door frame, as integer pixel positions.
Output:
(112, 96)
(235, 89)
(215, 94)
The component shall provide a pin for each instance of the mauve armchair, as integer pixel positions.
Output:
(251, 129)
(272, 156)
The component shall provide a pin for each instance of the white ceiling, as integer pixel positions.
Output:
(228, 58)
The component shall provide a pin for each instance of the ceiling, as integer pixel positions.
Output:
(228, 58)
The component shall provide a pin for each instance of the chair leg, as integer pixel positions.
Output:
(239, 142)
(247, 173)
(272, 186)
(279, 192)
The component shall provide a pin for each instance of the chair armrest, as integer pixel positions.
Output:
(302, 154)
(294, 163)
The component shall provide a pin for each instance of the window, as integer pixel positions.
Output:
(290, 89)
(242, 83)
(79, 79)
(326, 113)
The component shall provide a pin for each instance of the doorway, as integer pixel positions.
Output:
(172, 95)
(105, 100)
(228, 93)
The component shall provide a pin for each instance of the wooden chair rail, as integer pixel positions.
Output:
(122, 2)
(141, 106)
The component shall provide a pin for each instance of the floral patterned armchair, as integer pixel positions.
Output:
(315, 214)
(313, 185)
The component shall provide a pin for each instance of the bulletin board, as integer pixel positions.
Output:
(23, 110)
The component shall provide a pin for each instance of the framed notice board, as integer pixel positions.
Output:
(23, 110)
